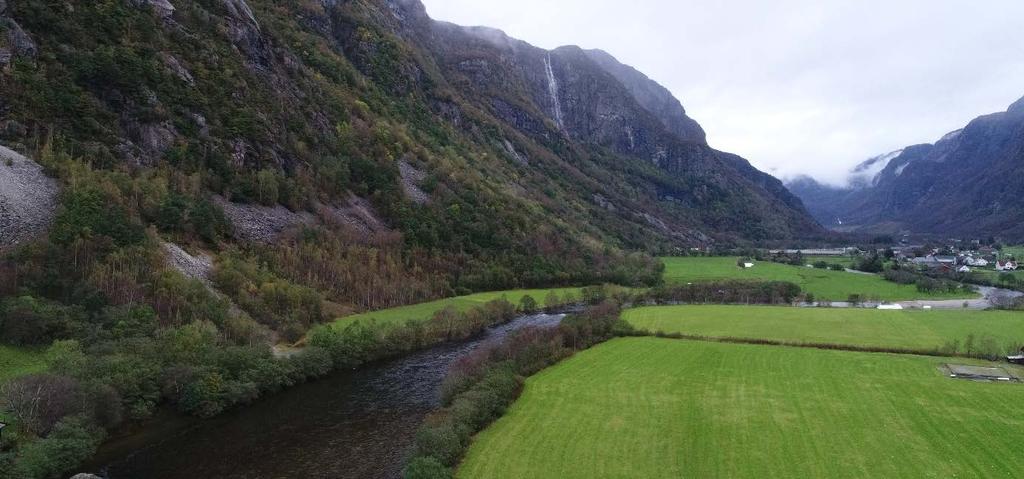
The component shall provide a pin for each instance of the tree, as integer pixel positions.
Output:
(527, 304)
(38, 402)
(552, 300)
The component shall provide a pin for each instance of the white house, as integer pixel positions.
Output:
(964, 269)
(972, 261)
(1006, 266)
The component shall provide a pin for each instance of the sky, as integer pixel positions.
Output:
(798, 87)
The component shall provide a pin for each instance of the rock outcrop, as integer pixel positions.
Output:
(262, 223)
(28, 198)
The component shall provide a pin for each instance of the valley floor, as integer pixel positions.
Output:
(822, 283)
(649, 407)
(907, 329)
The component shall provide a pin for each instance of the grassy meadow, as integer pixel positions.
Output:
(423, 311)
(665, 408)
(1016, 251)
(18, 361)
(910, 329)
(823, 283)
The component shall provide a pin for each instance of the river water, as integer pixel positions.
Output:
(355, 424)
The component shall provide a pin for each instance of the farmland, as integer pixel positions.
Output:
(423, 311)
(664, 408)
(823, 284)
(857, 327)
(17, 361)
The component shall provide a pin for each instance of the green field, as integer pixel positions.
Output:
(17, 361)
(1016, 251)
(908, 329)
(423, 311)
(824, 284)
(664, 408)
(993, 275)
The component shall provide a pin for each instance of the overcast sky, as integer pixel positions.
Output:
(795, 86)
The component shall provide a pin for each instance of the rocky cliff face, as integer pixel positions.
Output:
(592, 103)
(967, 183)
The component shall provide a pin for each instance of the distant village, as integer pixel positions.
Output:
(950, 258)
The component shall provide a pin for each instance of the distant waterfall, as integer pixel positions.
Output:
(553, 91)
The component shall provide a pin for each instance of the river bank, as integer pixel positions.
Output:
(358, 424)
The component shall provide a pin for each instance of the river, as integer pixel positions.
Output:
(351, 424)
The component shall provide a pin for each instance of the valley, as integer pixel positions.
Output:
(353, 239)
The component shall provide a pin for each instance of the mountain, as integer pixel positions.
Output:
(288, 89)
(967, 183)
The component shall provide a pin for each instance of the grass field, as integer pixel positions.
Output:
(856, 327)
(1016, 251)
(423, 311)
(18, 361)
(663, 408)
(824, 284)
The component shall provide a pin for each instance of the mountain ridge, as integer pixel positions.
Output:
(967, 182)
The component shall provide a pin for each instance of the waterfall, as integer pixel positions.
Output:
(553, 91)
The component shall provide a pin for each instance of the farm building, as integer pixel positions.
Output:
(1006, 266)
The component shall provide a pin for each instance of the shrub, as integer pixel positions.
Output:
(726, 292)
(72, 441)
(480, 386)
(527, 304)
(426, 467)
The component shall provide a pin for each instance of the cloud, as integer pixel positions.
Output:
(795, 86)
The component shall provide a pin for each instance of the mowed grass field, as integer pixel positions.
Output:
(824, 284)
(665, 408)
(18, 361)
(424, 311)
(910, 329)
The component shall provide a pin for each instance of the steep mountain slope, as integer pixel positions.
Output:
(287, 90)
(970, 182)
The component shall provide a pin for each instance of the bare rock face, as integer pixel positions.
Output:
(198, 267)
(175, 66)
(17, 44)
(28, 199)
(357, 214)
(262, 223)
(411, 180)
